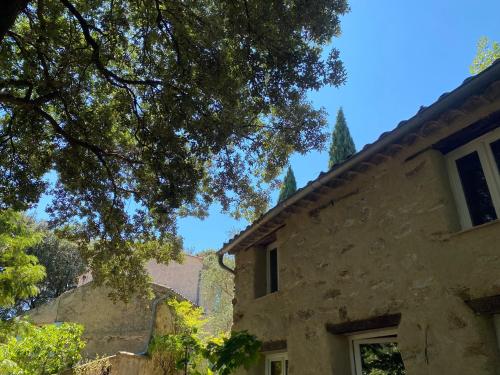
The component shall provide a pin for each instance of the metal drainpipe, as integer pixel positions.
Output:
(223, 266)
(153, 320)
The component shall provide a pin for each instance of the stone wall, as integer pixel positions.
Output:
(109, 326)
(389, 243)
(122, 363)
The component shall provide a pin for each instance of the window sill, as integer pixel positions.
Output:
(268, 295)
(477, 227)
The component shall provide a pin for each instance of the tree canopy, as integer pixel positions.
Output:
(289, 186)
(487, 52)
(19, 271)
(24, 348)
(217, 293)
(63, 264)
(342, 145)
(147, 111)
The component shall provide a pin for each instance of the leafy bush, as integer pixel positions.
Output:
(191, 350)
(42, 350)
(239, 349)
(180, 350)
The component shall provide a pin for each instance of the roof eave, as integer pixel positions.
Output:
(469, 87)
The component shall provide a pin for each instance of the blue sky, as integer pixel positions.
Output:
(399, 55)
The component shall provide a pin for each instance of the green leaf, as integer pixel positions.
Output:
(144, 112)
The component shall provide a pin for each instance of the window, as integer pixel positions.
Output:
(277, 364)
(496, 322)
(376, 352)
(266, 270)
(272, 269)
(475, 176)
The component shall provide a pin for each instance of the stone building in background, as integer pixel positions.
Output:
(183, 278)
(110, 327)
(390, 261)
(123, 330)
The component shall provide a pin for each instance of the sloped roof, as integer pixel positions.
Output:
(183, 278)
(474, 90)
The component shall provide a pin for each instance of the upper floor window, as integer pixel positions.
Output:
(475, 176)
(272, 269)
(266, 270)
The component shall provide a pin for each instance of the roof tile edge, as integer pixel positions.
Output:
(469, 87)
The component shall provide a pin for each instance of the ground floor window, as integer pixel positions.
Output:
(277, 364)
(376, 353)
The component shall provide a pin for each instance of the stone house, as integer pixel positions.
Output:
(110, 327)
(397, 249)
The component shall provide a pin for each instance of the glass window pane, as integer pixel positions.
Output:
(495, 148)
(477, 194)
(381, 359)
(286, 367)
(273, 270)
(276, 367)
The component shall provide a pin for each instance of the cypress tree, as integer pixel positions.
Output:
(289, 186)
(342, 144)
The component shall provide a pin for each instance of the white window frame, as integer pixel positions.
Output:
(283, 357)
(370, 337)
(272, 246)
(482, 146)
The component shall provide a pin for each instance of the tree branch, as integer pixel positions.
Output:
(108, 74)
(34, 104)
(97, 151)
(26, 102)
(9, 13)
(165, 28)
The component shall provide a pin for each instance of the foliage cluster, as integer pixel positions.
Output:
(19, 271)
(42, 350)
(382, 359)
(146, 111)
(24, 348)
(342, 145)
(181, 349)
(217, 293)
(189, 350)
(240, 349)
(289, 186)
(487, 52)
(62, 262)
(97, 365)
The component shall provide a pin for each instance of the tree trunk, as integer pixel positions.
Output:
(10, 10)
